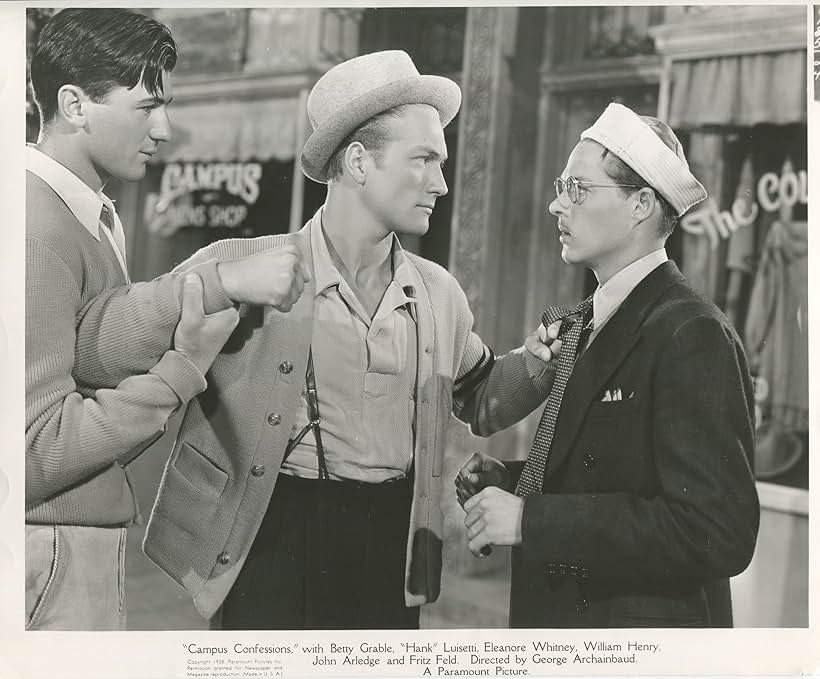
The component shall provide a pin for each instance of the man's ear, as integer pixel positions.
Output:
(644, 204)
(355, 162)
(71, 105)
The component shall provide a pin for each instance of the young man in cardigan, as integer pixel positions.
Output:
(102, 82)
(281, 510)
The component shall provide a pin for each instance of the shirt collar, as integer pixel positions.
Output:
(85, 203)
(609, 296)
(327, 275)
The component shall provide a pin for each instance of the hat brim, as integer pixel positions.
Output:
(441, 93)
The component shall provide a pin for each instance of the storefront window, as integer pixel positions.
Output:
(759, 231)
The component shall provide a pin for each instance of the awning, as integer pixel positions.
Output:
(741, 90)
(239, 130)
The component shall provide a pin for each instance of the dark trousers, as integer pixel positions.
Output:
(328, 555)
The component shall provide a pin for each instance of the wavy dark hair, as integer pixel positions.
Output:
(98, 50)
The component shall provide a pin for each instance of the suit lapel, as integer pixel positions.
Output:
(603, 357)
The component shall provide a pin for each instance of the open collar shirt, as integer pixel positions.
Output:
(365, 370)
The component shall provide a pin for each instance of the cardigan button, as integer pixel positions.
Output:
(258, 470)
(274, 419)
(285, 367)
(224, 558)
(590, 461)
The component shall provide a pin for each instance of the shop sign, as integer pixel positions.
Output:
(774, 193)
(204, 195)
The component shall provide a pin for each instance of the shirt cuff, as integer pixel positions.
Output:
(214, 296)
(181, 374)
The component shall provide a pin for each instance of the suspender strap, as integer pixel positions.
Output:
(314, 420)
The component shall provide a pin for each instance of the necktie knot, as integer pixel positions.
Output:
(107, 218)
(580, 312)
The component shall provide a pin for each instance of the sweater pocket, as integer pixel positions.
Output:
(189, 512)
(198, 470)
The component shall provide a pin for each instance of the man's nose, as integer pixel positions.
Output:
(438, 185)
(161, 125)
(556, 208)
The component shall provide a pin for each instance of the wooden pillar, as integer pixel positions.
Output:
(476, 232)
(481, 168)
(492, 215)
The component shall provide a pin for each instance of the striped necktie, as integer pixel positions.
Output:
(576, 322)
(116, 238)
(107, 218)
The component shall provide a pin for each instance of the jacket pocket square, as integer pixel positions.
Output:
(617, 395)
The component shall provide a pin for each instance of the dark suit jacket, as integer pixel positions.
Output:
(649, 502)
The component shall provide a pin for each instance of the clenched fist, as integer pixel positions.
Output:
(544, 342)
(275, 277)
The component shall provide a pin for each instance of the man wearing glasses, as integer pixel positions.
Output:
(636, 502)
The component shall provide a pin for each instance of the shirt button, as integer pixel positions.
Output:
(274, 419)
(428, 350)
(590, 461)
(581, 606)
(224, 558)
(258, 470)
(285, 367)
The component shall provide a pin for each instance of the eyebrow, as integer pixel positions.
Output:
(429, 150)
(155, 100)
(579, 177)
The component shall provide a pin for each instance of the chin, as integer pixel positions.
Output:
(566, 255)
(413, 229)
(138, 173)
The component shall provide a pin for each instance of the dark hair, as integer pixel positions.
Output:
(372, 134)
(98, 50)
(621, 173)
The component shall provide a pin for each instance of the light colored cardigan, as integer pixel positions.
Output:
(210, 503)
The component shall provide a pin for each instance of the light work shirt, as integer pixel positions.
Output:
(365, 373)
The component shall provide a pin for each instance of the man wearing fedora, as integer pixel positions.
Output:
(304, 487)
(636, 502)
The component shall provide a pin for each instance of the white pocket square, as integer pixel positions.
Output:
(616, 395)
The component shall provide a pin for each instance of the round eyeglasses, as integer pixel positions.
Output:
(576, 188)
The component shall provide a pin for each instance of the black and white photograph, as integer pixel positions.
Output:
(407, 341)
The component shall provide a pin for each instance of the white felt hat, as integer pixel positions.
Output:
(358, 89)
(624, 133)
